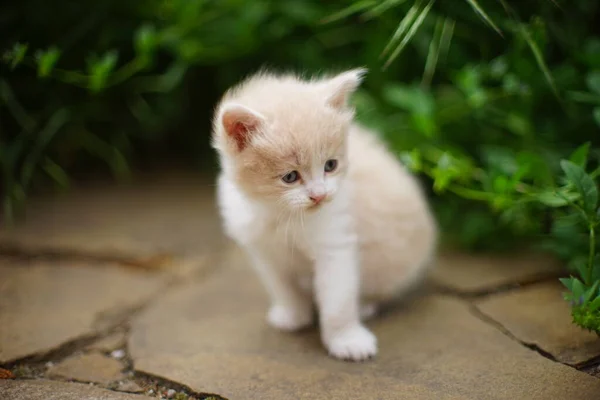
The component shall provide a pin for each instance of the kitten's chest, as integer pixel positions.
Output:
(287, 233)
(253, 225)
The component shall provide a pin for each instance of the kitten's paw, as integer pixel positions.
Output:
(368, 310)
(289, 319)
(356, 344)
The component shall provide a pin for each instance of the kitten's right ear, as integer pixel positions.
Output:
(239, 123)
(340, 87)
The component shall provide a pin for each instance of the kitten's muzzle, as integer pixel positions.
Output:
(316, 198)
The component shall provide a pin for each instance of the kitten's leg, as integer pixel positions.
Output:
(337, 294)
(368, 310)
(291, 309)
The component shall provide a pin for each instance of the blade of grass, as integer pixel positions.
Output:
(352, 9)
(16, 109)
(483, 15)
(446, 38)
(56, 172)
(411, 32)
(433, 54)
(539, 58)
(556, 4)
(537, 53)
(381, 8)
(402, 27)
(56, 121)
(583, 97)
(107, 152)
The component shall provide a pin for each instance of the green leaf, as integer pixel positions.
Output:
(101, 69)
(567, 282)
(412, 160)
(47, 60)
(556, 199)
(593, 81)
(579, 156)
(591, 292)
(579, 264)
(596, 114)
(444, 172)
(410, 98)
(595, 304)
(578, 289)
(501, 184)
(584, 184)
(483, 15)
(145, 39)
(17, 54)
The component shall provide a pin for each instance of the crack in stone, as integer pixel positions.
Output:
(177, 386)
(490, 321)
(591, 366)
(109, 323)
(153, 263)
(73, 346)
(503, 288)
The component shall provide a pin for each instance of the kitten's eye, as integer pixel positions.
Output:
(331, 165)
(291, 177)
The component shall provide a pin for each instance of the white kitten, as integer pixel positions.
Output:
(324, 211)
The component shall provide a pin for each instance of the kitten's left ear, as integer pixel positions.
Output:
(240, 123)
(340, 87)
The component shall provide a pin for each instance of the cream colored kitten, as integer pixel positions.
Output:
(324, 211)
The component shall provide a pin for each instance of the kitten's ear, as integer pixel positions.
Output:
(340, 87)
(239, 123)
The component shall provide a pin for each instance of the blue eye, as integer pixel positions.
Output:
(291, 177)
(330, 165)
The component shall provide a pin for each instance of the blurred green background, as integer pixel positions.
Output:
(495, 104)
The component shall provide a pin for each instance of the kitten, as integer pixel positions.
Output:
(323, 210)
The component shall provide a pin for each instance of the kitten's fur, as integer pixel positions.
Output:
(370, 239)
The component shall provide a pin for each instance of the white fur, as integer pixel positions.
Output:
(370, 241)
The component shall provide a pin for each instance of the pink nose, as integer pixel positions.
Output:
(317, 198)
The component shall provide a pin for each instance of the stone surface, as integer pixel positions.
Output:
(91, 367)
(212, 337)
(53, 390)
(475, 273)
(45, 305)
(129, 386)
(540, 316)
(109, 343)
(156, 217)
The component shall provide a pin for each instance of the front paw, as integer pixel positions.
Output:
(289, 319)
(355, 343)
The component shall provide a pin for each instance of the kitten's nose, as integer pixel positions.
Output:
(317, 198)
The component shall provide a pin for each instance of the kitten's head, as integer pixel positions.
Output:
(283, 140)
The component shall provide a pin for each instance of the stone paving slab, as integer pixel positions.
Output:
(145, 222)
(212, 337)
(46, 305)
(109, 343)
(539, 315)
(477, 273)
(91, 367)
(53, 390)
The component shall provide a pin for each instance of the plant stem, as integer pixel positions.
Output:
(590, 270)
